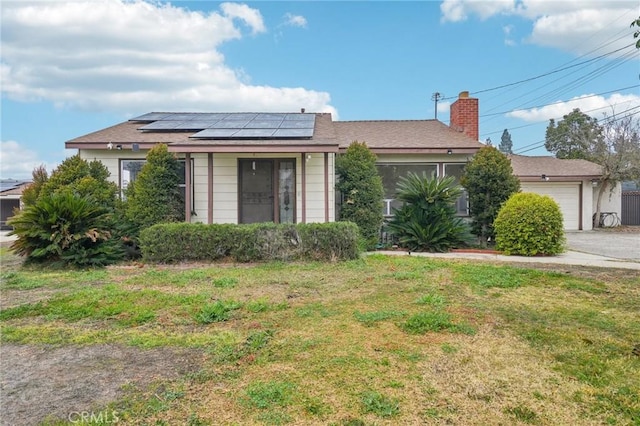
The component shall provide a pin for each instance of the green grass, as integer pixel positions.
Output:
(381, 340)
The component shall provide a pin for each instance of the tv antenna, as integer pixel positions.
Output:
(436, 97)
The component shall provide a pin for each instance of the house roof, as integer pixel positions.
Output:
(12, 186)
(532, 168)
(384, 136)
(402, 136)
(126, 134)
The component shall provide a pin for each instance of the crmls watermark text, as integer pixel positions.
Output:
(102, 417)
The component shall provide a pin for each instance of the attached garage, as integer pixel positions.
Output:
(571, 183)
(566, 194)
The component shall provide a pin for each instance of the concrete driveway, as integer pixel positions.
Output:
(619, 245)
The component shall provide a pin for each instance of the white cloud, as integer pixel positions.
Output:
(118, 55)
(295, 20)
(595, 106)
(17, 162)
(508, 30)
(577, 26)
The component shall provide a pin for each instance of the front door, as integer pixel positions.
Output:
(267, 190)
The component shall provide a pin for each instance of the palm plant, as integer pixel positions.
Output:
(67, 229)
(427, 220)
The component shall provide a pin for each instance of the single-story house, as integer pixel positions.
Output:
(10, 194)
(280, 167)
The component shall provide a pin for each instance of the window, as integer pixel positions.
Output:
(130, 169)
(462, 203)
(391, 173)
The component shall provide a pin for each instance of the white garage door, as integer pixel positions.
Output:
(567, 195)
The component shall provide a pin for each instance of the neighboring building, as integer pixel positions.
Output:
(10, 193)
(280, 167)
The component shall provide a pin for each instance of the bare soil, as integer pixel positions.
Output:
(44, 382)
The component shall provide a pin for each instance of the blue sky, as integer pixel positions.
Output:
(70, 68)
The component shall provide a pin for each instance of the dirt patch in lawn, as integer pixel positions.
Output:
(40, 382)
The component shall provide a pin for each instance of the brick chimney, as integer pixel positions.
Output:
(464, 115)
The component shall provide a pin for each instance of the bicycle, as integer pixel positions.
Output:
(607, 219)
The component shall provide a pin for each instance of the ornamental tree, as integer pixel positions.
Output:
(362, 191)
(489, 180)
(155, 197)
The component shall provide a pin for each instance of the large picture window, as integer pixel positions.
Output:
(462, 203)
(391, 173)
(130, 169)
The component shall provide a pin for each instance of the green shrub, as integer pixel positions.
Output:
(65, 229)
(334, 241)
(427, 221)
(530, 224)
(362, 191)
(155, 197)
(174, 242)
(489, 180)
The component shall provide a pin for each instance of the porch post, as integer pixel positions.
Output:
(326, 187)
(210, 188)
(303, 172)
(187, 189)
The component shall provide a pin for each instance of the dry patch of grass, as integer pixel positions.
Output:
(383, 340)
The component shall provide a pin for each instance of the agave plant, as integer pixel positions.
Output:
(65, 228)
(427, 220)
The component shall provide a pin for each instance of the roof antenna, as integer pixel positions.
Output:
(436, 97)
(302, 110)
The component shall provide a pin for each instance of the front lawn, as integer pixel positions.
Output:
(383, 340)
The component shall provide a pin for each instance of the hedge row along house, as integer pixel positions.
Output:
(280, 167)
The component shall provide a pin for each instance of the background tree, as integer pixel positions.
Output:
(362, 191)
(618, 153)
(636, 34)
(489, 180)
(427, 220)
(506, 145)
(32, 192)
(613, 144)
(573, 136)
(155, 197)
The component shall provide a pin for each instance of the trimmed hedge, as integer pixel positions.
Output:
(176, 242)
(530, 224)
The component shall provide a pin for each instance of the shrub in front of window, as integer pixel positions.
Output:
(530, 224)
(177, 242)
(362, 191)
(155, 196)
(427, 220)
(489, 180)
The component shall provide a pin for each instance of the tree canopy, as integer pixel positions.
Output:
(506, 145)
(573, 136)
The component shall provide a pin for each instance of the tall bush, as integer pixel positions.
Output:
(155, 197)
(362, 191)
(77, 176)
(530, 224)
(489, 180)
(427, 221)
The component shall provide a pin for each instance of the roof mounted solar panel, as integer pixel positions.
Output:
(230, 124)
(195, 125)
(162, 125)
(297, 124)
(271, 116)
(263, 124)
(300, 116)
(151, 116)
(254, 133)
(176, 116)
(293, 133)
(215, 134)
